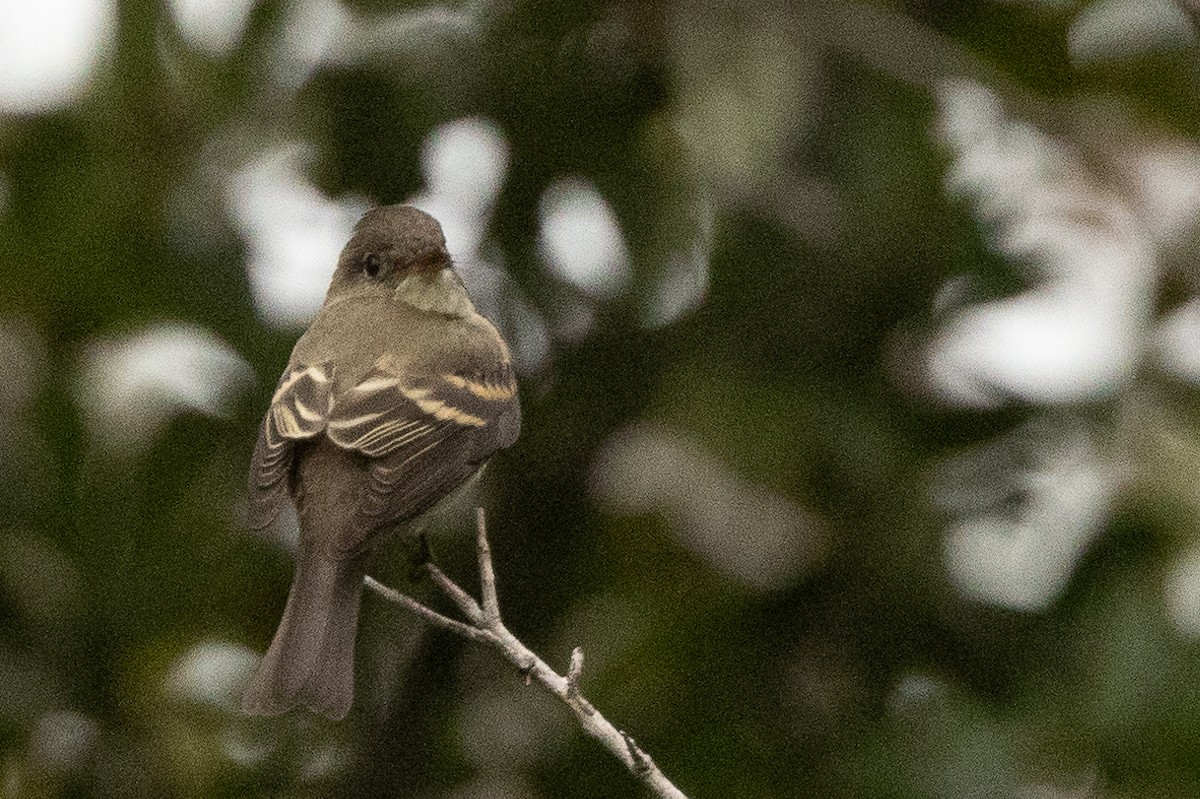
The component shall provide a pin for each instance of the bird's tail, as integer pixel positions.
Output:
(311, 659)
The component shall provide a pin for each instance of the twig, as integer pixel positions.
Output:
(465, 603)
(487, 575)
(575, 671)
(486, 627)
(429, 615)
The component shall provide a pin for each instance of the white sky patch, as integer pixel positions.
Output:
(1109, 30)
(213, 26)
(581, 239)
(915, 691)
(323, 762)
(312, 31)
(1178, 342)
(240, 747)
(1030, 504)
(464, 163)
(1050, 345)
(531, 344)
(211, 673)
(1182, 593)
(131, 385)
(1076, 334)
(49, 50)
(320, 33)
(62, 740)
(409, 31)
(1164, 176)
(292, 231)
(683, 285)
(744, 530)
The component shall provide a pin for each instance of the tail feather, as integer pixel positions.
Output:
(311, 659)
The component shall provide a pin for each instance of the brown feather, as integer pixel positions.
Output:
(384, 410)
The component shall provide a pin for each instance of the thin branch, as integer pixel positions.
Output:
(429, 615)
(486, 627)
(487, 575)
(468, 606)
(575, 671)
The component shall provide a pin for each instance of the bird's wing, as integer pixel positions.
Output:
(424, 435)
(299, 410)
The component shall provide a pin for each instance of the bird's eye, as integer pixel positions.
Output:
(371, 265)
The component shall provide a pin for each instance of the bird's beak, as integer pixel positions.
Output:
(432, 260)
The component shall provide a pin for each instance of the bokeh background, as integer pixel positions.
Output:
(859, 346)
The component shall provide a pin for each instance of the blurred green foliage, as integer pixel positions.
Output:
(787, 154)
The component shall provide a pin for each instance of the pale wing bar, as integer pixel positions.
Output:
(299, 410)
(425, 437)
(385, 413)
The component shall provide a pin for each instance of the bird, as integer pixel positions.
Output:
(397, 393)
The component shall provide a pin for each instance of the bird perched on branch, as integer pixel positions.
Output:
(395, 395)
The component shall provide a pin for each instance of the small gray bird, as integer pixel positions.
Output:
(395, 395)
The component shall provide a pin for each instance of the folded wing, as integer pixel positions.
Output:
(424, 436)
(299, 410)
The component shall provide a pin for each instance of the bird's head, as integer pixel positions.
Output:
(400, 252)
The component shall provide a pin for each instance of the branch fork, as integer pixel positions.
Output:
(485, 626)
